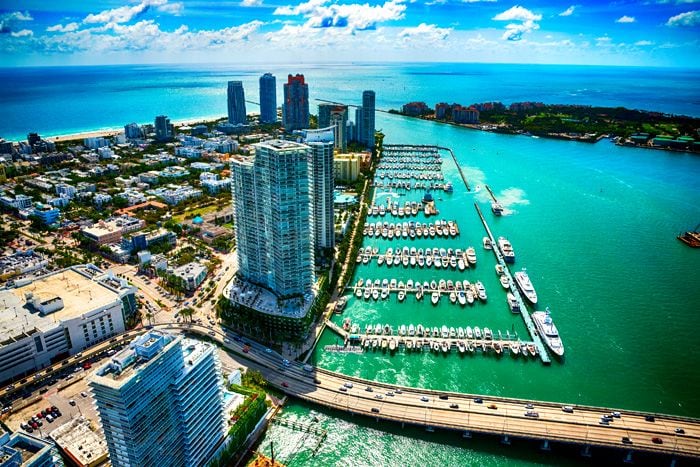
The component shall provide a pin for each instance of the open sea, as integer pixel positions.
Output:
(594, 224)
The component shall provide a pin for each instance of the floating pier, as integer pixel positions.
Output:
(459, 168)
(493, 197)
(514, 290)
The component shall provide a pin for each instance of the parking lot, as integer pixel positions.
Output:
(60, 399)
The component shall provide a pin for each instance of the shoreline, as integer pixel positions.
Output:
(107, 132)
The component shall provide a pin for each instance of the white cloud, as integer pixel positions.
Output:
(61, 28)
(569, 11)
(125, 14)
(352, 16)
(625, 19)
(514, 31)
(251, 2)
(426, 33)
(22, 33)
(643, 43)
(436, 2)
(689, 18)
(517, 13)
(9, 20)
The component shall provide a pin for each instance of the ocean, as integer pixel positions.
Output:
(594, 224)
(65, 100)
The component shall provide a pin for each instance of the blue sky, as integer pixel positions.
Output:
(77, 32)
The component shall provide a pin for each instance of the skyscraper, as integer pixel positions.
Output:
(295, 111)
(236, 103)
(337, 116)
(268, 98)
(160, 402)
(368, 118)
(358, 124)
(322, 194)
(164, 130)
(272, 217)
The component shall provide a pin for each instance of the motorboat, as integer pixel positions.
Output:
(469, 333)
(453, 297)
(435, 298)
(471, 255)
(477, 332)
(445, 346)
(548, 331)
(444, 332)
(481, 290)
(488, 334)
(513, 303)
(505, 282)
(411, 330)
(525, 286)
(506, 250)
(487, 243)
(462, 297)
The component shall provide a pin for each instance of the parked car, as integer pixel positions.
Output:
(375, 410)
(454, 406)
(84, 394)
(71, 402)
(626, 440)
(657, 440)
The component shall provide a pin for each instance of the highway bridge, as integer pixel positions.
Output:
(501, 416)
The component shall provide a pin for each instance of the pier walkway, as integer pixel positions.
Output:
(459, 168)
(514, 290)
(493, 197)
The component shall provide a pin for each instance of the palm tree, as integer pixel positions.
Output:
(187, 313)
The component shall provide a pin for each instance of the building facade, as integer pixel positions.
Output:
(368, 109)
(295, 111)
(164, 129)
(336, 116)
(272, 211)
(236, 103)
(268, 98)
(322, 186)
(160, 402)
(346, 167)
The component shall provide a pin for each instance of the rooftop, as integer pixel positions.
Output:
(80, 441)
(82, 289)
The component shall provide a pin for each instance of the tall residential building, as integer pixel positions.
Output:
(160, 402)
(272, 212)
(164, 130)
(295, 111)
(133, 131)
(359, 118)
(337, 116)
(236, 103)
(368, 110)
(322, 186)
(268, 98)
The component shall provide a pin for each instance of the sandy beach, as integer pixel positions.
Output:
(108, 132)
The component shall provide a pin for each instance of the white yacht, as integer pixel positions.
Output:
(525, 286)
(548, 331)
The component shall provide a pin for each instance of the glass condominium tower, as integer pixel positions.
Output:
(236, 103)
(295, 111)
(268, 98)
(272, 208)
(160, 402)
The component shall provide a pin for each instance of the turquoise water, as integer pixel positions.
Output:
(595, 225)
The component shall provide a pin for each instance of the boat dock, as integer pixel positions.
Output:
(493, 197)
(459, 168)
(514, 290)
(391, 341)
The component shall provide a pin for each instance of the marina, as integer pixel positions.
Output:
(459, 292)
(412, 230)
(438, 258)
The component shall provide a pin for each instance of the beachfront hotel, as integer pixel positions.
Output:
(160, 402)
(236, 103)
(268, 98)
(295, 110)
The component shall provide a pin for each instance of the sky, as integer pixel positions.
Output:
(664, 33)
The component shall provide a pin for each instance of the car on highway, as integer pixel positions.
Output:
(378, 396)
(616, 414)
(390, 394)
(529, 406)
(398, 391)
(493, 406)
(657, 440)
(343, 389)
(424, 399)
(454, 406)
(369, 389)
(626, 440)
(478, 400)
(650, 418)
(567, 409)
(680, 431)
(84, 394)
(444, 397)
(212, 333)
(375, 410)
(348, 385)
(532, 414)
(227, 340)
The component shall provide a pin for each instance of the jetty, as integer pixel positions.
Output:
(459, 168)
(531, 328)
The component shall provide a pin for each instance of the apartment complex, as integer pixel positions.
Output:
(160, 402)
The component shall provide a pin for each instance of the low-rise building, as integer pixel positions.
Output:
(192, 275)
(60, 314)
(21, 262)
(81, 442)
(23, 450)
(216, 186)
(111, 230)
(47, 214)
(18, 202)
(346, 167)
